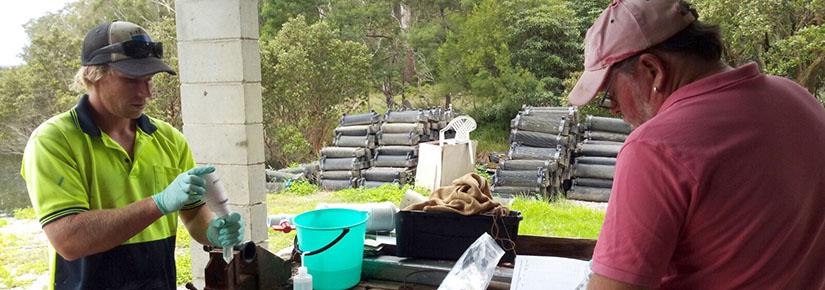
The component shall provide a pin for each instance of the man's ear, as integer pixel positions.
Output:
(652, 68)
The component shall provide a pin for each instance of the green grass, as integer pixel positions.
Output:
(24, 213)
(491, 137)
(20, 256)
(481, 170)
(560, 218)
(3, 222)
(302, 187)
(183, 259)
(386, 192)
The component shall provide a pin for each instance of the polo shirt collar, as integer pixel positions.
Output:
(88, 125)
(711, 83)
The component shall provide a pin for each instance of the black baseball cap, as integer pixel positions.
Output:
(126, 47)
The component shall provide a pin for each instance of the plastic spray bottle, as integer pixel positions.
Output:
(302, 280)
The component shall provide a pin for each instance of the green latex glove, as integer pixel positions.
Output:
(187, 188)
(226, 231)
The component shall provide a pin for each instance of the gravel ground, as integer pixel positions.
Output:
(29, 228)
(602, 206)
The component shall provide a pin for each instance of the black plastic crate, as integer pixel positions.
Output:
(445, 236)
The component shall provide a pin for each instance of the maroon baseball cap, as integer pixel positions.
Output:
(624, 29)
(126, 47)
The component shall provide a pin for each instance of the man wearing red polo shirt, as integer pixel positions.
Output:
(722, 183)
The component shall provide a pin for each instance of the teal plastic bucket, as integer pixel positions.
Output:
(333, 242)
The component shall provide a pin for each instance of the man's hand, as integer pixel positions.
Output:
(187, 188)
(226, 231)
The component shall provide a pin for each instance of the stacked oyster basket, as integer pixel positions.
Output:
(342, 164)
(595, 160)
(538, 161)
(396, 157)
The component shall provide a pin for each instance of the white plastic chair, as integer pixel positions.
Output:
(462, 125)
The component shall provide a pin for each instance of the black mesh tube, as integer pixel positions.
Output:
(596, 123)
(386, 174)
(397, 150)
(407, 128)
(602, 142)
(518, 152)
(596, 160)
(398, 139)
(343, 164)
(340, 174)
(527, 164)
(341, 152)
(566, 110)
(594, 171)
(545, 114)
(394, 161)
(593, 182)
(606, 136)
(536, 139)
(360, 119)
(357, 130)
(405, 117)
(528, 178)
(355, 141)
(536, 124)
(602, 150)
(589, 193)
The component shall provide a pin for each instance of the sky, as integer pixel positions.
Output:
(12, 17)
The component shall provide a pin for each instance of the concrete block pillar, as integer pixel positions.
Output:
(220, 76)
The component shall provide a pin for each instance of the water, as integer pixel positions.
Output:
(341, 279)
(13, 193)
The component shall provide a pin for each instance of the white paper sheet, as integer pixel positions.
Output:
(539, 272)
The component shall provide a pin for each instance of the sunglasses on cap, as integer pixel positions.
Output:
(133, 49)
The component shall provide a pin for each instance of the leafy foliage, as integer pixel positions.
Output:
(40, 88)
(302, 187)
(308, 75)
(785, 38)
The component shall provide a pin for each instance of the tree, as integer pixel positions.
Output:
(476, 60)
(274, 13)
(40, 87)
(785, 38)
(308, 75)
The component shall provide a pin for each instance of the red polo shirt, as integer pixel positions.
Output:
(723, 189)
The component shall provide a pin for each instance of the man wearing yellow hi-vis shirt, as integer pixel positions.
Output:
(108, 182)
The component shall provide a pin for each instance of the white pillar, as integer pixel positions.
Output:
(220, 76)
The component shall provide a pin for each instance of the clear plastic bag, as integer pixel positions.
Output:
(475, 268)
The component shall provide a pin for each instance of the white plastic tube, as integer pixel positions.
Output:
(381, 218)
(218, 203)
